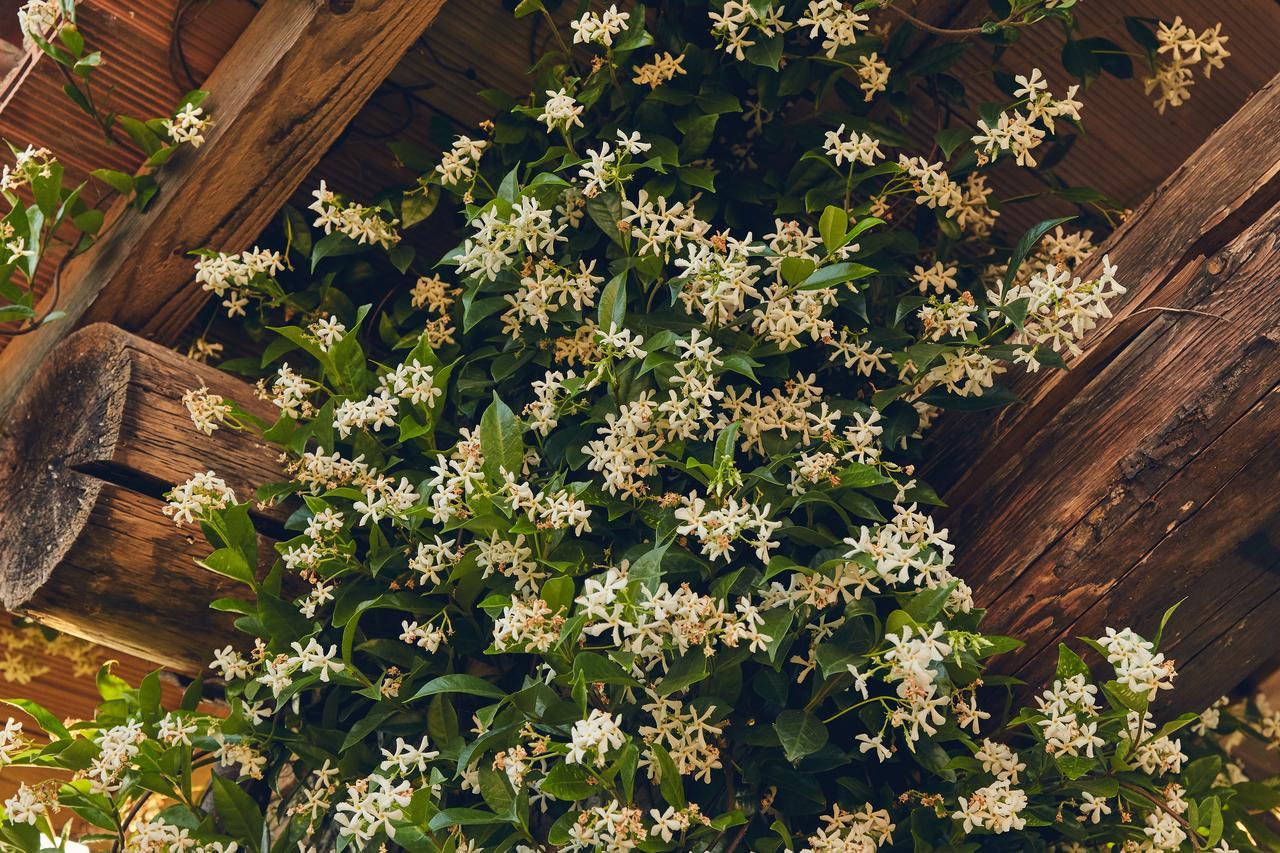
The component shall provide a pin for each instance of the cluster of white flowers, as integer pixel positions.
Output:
(426, 637)
(603, 167)
(208, 410)
(996, 807)
(1138, 665)
(1061, 308)
(1181, 50)
(1155, 755)
(561, 111)
(327, 332)
(365, 225)
(38, 18)
(279, 671)
(939, 277)
(948, 316)
(372, 804)
(188, 125)
(1017, 131)
(372, 412)
(628, 448)
(384, 497)
(863, 829)
(717, 280)
(663, 226)
(195, 499)
(873, 75)
(527, 624)
(547, 289)
(999, 760)
(558, 510)
(717, 529)
(592, 739)
(229, 276)
(460, 162)
(117, 747)
(1070, 708)
(27, 805)
(906, 550)
(855, 148)
(837, 23)
(661, 69)
(599, 29)
(611, 826)
(497, 239)
(688, 736)
(738, 25)
(12, 741)
(649, 621)
(30, 162)
(934, 187)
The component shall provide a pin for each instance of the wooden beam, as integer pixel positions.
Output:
(279, 98)
(93, 443)
(1145, 474)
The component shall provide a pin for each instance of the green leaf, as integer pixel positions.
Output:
(1256, 797)
(463, 817)
(43, 717)
(558, 593)
(568, 782)
(670, 785)
(526, 8)
(332, 246)
(118, 181)
(796, 270)
(460, 683)
(1074, 766)
(1069, 664)
(1025, 246)
(596, 668)
(688, 669)
(800, 733)
(501, 440)
(833, 274)
(925, 605)
(832, 226)
(237, 811)
(951, 138)
(613, 303)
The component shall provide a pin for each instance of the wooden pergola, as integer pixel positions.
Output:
(1142, 476)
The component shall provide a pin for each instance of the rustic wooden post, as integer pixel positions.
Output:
(95, 440)
(1147, 473)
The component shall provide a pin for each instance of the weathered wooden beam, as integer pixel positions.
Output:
(279, 98)
(91, 446)
(1145, 474)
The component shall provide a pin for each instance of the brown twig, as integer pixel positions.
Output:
(1218, 317)
(965, 32)
(1164, 807)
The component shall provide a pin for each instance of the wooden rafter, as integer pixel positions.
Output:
(280, 97)
(1145, 475)
(84, 544)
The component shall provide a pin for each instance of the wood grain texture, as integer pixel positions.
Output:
(279, 97)
(89, 449)
(1144, 475)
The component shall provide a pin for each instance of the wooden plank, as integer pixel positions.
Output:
(1230, 180)
(279, 98)
(84, 544)
(1143, 475)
